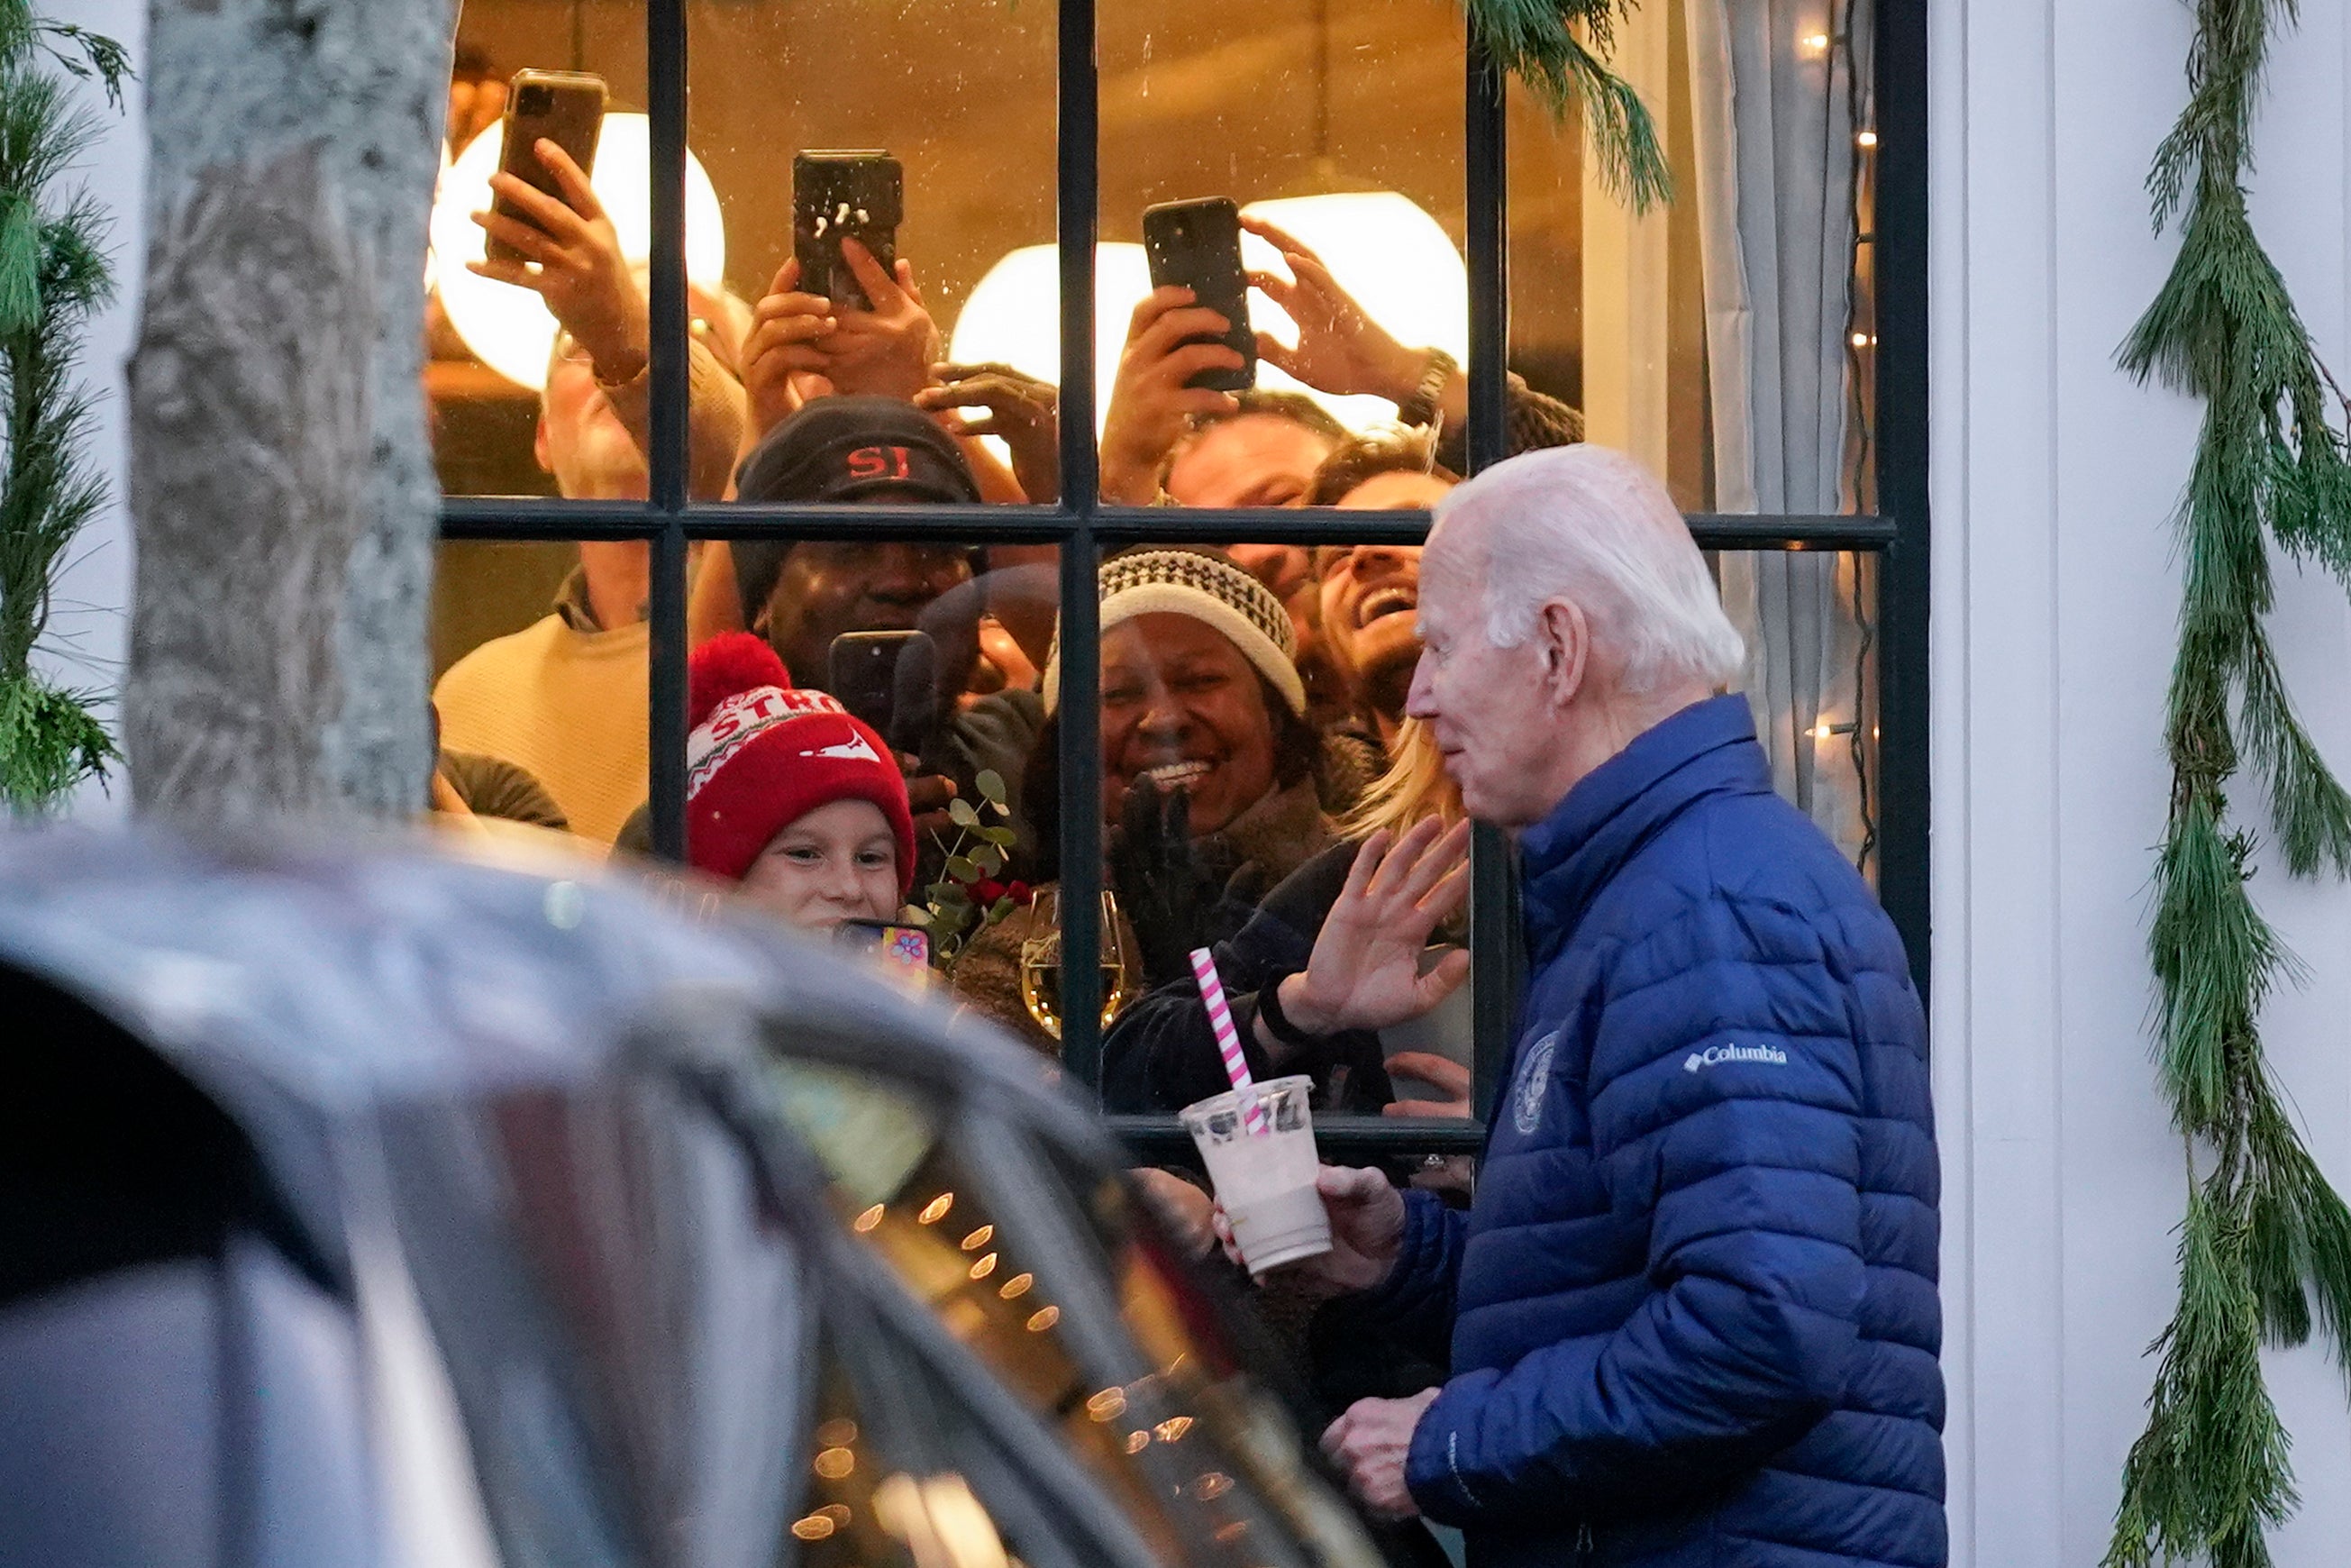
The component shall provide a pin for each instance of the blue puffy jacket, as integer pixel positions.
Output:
(1692, 1310)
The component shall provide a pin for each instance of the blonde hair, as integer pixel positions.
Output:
(1414, 788)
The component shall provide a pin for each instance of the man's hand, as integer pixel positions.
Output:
(784, 365)
(1366, 1228)
(1341, 350)
(1365, 969)
(928, 796)
(1370, 1445)
(1182, 1207)
(579, 270)
(1448, 1077)
(886, 351)
(1149, 404)
(1022, 409)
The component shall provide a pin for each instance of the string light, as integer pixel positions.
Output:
(984, 1268)
(1864, 340)
(815, 1527)
(1815, 43)
(1044, 1319)
(869, 1218)
(1867, 138)
(1017, 1286)
(979, 1238)
(837, 1434)
(1172, 1430)
(936, 1209)
(833, 1464)
(1137, 1442)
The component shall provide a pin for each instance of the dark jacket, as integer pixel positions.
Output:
(1161, 1056)
(1692, 1312)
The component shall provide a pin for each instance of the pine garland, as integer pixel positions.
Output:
(53, 274)
(2265, 1249)
(1538, 41)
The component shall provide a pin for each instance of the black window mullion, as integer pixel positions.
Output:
(670, 459)
(1494, 944)
(1899, 240)
(1081, 676)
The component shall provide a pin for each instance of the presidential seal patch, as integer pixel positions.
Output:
(1534, 1082)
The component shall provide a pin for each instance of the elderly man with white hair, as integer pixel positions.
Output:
(1691, 1316)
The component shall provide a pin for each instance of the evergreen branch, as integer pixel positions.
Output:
(90, 55)
(2309, 807)
(1536, 40)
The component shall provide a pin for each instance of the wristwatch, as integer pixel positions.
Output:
(1420, 408)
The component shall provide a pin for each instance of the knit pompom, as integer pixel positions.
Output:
(730, 663)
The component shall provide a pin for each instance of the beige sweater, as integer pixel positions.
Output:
(566, 705)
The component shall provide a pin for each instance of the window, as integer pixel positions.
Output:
(1759, 342)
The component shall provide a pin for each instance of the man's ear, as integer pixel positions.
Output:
(538, 445)
(1564, 641)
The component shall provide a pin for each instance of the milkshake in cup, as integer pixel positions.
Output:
(1263, 1169)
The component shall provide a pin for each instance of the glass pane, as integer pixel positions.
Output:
(934, 648)
(539, 657)
(922, 136)
(491, 340)
(1237, 775)
(1726, 340)
(1810, 618)
(1334, 129)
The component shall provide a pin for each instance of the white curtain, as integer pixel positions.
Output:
(1772, 96)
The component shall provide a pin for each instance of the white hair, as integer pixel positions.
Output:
(1591, 525)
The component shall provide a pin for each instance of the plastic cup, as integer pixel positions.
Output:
(1266, 1181)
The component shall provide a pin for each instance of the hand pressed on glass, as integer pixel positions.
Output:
(1365, 968)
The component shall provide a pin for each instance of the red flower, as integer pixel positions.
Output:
(1020, 891)
(986, 892)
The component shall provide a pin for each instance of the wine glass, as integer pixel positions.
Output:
(1041, 963)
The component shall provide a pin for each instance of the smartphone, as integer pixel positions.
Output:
(1198, 245)
(859, 194)
(898, 946)
(566, 108)
(889, 679)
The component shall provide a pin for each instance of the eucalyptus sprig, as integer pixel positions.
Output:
(950, 912)
(2265, 1249)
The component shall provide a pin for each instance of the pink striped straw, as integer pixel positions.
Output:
(1229, 1039)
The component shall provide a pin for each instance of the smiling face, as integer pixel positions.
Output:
(837, 862)
(1180, 705)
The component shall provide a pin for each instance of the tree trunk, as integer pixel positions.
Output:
(282, 488)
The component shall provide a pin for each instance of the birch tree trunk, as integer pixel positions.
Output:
(282, 488)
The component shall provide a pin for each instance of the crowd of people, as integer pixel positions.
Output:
(1252, 697)
(1690, 1315)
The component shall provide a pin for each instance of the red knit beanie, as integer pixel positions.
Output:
(763, 755)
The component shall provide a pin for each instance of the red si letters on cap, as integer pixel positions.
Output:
(879, 463)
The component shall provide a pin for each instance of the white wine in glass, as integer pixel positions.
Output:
(1040, 966)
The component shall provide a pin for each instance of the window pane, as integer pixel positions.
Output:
(934, 648)
(491, 341)
(1728, 339)
(540, 659)
(1810, 618)
(925, 134)
(1238, 773)
(1338, 122)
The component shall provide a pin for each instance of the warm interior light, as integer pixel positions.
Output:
(1394, 258)
(1815, 43)
(1867, 138)
(507, 328)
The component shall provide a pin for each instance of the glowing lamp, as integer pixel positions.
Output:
(507, 328)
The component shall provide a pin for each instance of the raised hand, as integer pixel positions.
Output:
(886, 351)
(1149, 404)
(1341, 350)
(573, 261)
(784, 364)
(1022, 409)
(1365, 969)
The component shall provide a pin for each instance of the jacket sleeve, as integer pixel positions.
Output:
(1415, 1304)
(1724, 1097)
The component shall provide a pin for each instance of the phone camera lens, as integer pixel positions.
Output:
(536, 99)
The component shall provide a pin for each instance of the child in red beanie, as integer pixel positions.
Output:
(788, 795)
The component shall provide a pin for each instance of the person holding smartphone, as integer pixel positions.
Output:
(789, 797)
